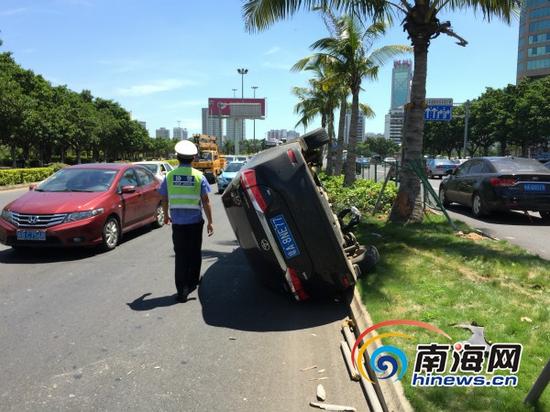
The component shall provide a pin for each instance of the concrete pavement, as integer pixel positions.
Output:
(87, 331)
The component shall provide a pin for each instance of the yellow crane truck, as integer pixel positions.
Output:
(208, 160)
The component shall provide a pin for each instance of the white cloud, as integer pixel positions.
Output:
(273, 50)
(277, 66)
(13, 12)
(155, 87)
(182, 104)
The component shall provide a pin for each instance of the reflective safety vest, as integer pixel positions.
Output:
(184, 188)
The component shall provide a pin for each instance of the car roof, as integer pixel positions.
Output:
(151, 162)
(108, 166)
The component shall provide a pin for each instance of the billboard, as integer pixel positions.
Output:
(235, 107)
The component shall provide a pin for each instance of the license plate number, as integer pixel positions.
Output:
(284, 236)
(34, 235)
(534, 187)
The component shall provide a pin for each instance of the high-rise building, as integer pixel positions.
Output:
(534, 39)
(163, 133)
(142, 124)
(179, 133)
(394, 121)
(360, 127)
(236, 129)
(401, 79)
(211, 125)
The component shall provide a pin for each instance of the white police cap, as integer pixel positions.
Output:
(186, 148)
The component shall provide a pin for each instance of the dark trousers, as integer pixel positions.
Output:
(187, 246)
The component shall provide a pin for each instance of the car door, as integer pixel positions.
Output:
(455, 184)
(470, 181)
(148, 189)
(131, 203)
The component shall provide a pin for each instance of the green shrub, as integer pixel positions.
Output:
(18, 176)
(363, 194)
(58, 166)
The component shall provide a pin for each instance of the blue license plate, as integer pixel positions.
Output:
(286, 240)
(534, 187)
(39, 235)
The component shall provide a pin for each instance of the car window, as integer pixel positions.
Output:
(145, 178)
(518, 165)
(464, 169)
(476, 168)
(168, 167)
(128, 179)
(487, 168)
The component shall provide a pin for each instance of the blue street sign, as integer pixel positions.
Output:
(438, 113)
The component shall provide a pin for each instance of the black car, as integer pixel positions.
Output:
(499, 184)
(283, 221)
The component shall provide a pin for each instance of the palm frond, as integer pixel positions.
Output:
(380, 56)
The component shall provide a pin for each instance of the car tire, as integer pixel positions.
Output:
(159, 217)
(315, 139)
(110, 234)
(430, 175)
(443, 198)
(545, 216)
(478, 206)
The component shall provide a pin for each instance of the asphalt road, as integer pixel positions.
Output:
(87, 331)
(527, 231)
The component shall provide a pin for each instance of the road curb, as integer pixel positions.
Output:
(393, 392)
(14, 187)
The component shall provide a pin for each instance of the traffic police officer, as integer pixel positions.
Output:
(185, 192)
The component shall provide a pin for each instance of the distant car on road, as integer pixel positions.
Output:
(489, 184)
(390, 160)
(83, 205)
(158, 168)
(228, 174)
(439, 167)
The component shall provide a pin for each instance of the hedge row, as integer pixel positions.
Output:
(363, 194)
(18, 176)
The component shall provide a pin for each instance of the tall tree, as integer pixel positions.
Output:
(421, 22)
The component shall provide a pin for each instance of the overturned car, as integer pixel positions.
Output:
(283, 221)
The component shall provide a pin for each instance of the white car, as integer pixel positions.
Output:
(157, 167)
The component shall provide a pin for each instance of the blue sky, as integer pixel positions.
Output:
(162, 60)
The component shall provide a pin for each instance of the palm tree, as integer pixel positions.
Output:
(420, 21)
(348, 62)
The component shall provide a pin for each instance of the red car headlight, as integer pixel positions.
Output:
(72, 217)
(6, 215)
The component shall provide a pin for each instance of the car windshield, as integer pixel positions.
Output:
(518, 166)
(233, 167)
(151, 166)
(444, 162)
(206, 156)
(78, 180)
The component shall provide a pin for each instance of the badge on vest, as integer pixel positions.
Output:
(185, 181)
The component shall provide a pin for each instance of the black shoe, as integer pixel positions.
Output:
(182, 297)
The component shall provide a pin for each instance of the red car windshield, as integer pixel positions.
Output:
(78, 180)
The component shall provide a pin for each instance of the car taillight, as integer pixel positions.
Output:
(249, 184)
(502, 182)
(292, 156)
(296, 285)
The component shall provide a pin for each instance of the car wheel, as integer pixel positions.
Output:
(478, 207)
(545, 216)
(430, 175)
(159, 217)
(111, 234)
(443, 198)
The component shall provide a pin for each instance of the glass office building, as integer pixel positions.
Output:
(401, 83)
(534, 39)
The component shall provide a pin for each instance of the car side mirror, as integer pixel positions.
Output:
(32, 187)
(128, 189)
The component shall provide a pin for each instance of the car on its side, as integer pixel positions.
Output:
(228, 174)
(284, 223)
(158, 168)
(488, 184)
(439, 167)
(83, 205)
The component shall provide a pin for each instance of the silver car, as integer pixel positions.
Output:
(158, 167)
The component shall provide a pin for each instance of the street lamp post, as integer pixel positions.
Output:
(242, 72)
(234, 92)
(254, 122)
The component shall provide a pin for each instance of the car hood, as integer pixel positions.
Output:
(56, 202)
(228, 175)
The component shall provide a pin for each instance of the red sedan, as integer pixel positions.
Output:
(83, 205)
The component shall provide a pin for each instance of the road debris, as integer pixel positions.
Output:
(526, 319)
(322, 378)
(330, 407)
(321, 393)
(309, 368)
(354, 374)
(232, 338)
(321, 371)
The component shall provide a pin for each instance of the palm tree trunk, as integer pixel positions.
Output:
(349, 173)
(407, 206)
(340, 140)
(330, 150)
